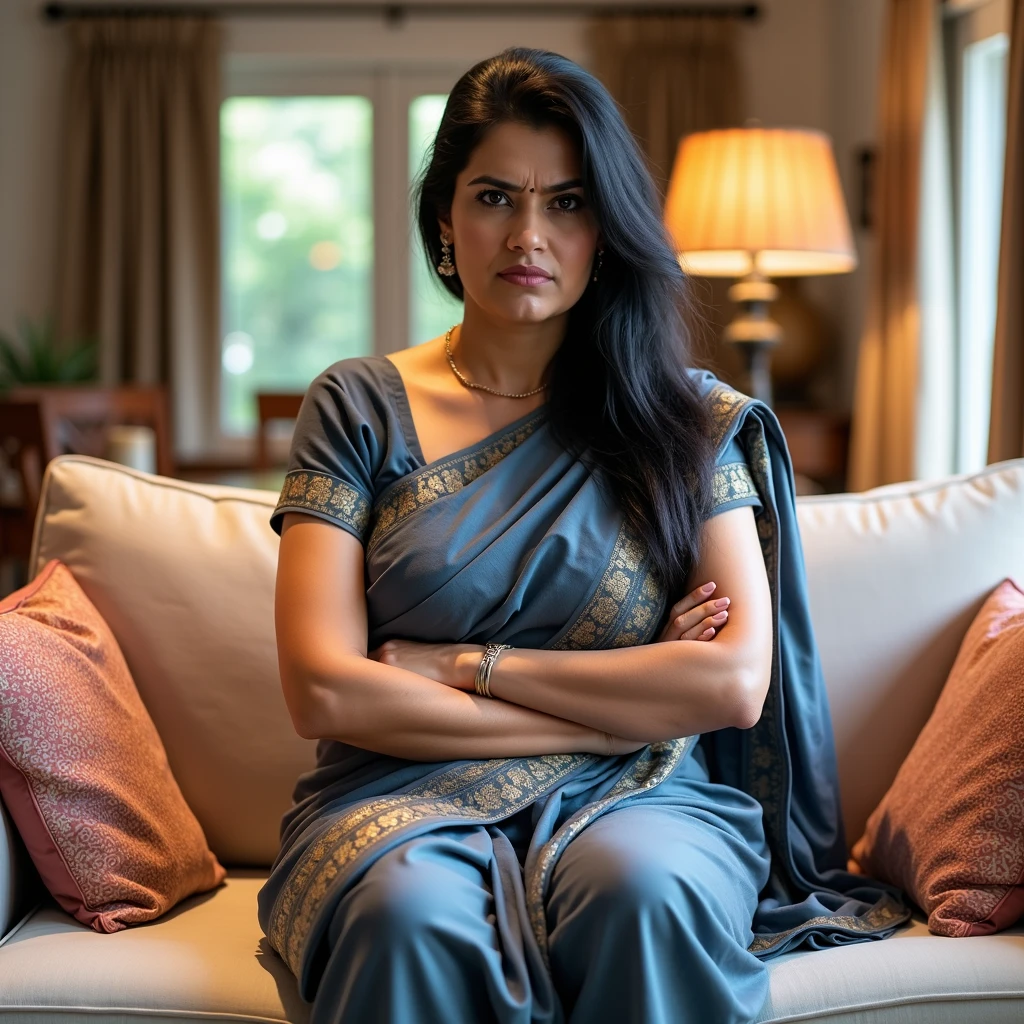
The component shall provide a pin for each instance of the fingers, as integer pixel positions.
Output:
(710, 613)
(692, 599)
(706, 628)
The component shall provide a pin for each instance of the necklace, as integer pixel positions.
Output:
(481, 387)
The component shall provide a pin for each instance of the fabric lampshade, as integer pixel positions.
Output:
(758, 199)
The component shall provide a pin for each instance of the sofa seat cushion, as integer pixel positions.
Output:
(914, 977)
(207, 958)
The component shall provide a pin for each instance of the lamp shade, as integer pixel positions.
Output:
(765, 199)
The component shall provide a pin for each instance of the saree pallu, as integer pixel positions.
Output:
(514, 541)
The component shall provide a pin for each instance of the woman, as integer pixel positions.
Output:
(523, 567)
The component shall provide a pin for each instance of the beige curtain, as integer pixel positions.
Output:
(140, 231)
(901, 400)
(672, 75)
(1006, 432)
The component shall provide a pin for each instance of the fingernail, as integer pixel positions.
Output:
(720, 616)
(706, 632)
(707, 588)
(721, 602)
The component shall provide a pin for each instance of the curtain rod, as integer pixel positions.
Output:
(393, 12)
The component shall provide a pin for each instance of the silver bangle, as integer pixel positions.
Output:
(482, 682)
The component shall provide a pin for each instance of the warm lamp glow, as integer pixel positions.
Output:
(764, 199)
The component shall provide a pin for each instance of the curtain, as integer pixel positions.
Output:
(672, 75)
(140, 256)
(1006, 430)
(904, 400)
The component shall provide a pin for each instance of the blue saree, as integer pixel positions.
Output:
(740, 831)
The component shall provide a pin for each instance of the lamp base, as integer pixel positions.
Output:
(754, 333)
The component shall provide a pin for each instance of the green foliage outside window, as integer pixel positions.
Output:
(298, 243)
(433, 310)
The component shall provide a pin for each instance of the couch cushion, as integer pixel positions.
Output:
(183, 574)
(913, 977)
(896, 575)
(207, 958)
(83, 773)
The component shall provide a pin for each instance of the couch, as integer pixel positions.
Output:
(184, 575)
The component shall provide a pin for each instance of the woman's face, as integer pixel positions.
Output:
(519, 202)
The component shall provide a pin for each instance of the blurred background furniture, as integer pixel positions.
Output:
(38, 423)
(818, 443)
(271, 406)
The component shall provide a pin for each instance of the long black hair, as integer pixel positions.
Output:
(619, 396)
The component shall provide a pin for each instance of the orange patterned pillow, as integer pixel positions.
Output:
(951, 828)
(83, 772)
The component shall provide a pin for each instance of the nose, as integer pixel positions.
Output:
(526, 231)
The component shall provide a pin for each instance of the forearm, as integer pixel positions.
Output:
(394, 711)
(652, 692)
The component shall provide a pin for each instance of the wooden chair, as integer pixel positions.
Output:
(38, 423)
(272, 405)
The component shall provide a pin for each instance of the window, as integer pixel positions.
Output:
(433, 309)
(982, 142)
(979, 64)
(320, 258)
(297, 241)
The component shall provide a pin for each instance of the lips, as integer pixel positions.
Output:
(525, 275)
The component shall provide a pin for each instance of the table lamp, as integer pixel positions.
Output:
(756, 203)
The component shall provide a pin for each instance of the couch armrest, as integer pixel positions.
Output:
(20, 886)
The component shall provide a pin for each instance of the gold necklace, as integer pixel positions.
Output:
(481, 387)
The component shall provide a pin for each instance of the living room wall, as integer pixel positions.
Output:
(809, 63)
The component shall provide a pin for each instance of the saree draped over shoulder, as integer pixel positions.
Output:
(513, 540)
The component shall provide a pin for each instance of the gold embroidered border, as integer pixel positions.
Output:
(482, 791)
(626, 604)
(654, 765)
(731, 482)
(324, 493)
(725, 407)
(425, 486)
(887, 913)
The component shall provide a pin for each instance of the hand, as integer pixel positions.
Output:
(454, 665)
(697, 616)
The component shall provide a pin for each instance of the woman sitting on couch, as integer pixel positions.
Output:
(524, 568)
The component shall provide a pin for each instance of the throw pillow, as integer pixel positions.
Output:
(951, 828)
(83, 772)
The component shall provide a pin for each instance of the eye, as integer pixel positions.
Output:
(489, 192)
(576, 199)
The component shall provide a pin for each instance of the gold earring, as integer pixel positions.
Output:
(445, 268)
(600, 256)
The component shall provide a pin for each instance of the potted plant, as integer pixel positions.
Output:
(35, 356)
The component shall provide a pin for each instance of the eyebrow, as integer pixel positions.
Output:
(486, 179)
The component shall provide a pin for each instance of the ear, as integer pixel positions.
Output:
(445, 227)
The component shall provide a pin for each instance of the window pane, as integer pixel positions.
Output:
(297, 243)
(981, 189)
(432, 309)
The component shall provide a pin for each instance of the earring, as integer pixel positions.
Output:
(445, 268)
(600, 256)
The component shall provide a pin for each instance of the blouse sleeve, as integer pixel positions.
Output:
(733, 483)
(333, 458)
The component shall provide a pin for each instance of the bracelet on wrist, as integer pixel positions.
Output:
(482, 681)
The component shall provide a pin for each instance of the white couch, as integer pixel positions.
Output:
(184, 574)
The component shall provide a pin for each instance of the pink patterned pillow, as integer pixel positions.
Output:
(951, 828)
(83, 772)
